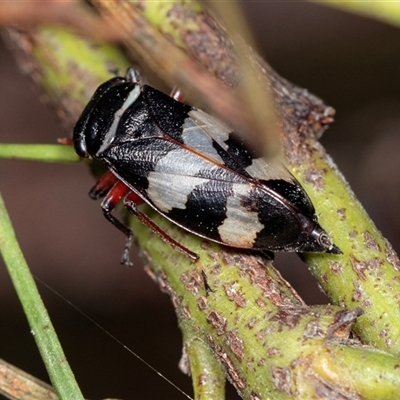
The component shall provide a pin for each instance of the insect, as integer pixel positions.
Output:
(190, 168)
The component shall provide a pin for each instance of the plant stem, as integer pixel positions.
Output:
(38, 152)
(41, 327)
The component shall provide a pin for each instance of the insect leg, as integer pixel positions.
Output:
(65, 141)
(103, 185)
(131, 206)
(177, 95)
(132, 75)
(113, 197)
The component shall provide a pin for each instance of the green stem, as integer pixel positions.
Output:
(38, 152)
(42, 330)
(208, 375)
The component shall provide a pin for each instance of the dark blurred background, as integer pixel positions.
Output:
(351, 62)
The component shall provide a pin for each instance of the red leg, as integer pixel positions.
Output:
(65, 141)
(119, 192)
(144, 219)
(177, 95)
(135, 198)
(103, 185)
(113, 197)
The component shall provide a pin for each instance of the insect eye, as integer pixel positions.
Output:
(80, 147)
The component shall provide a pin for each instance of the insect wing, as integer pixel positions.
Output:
(200, 195)
(225, 148)
(211, 137)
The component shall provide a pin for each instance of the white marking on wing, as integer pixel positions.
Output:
(171, 191)
(261, 169)
(184, 163)
(173, 179)
(218, 131)
(211, 126)
(197, 137)
(241, 226)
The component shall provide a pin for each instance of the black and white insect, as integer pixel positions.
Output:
(189, 167)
